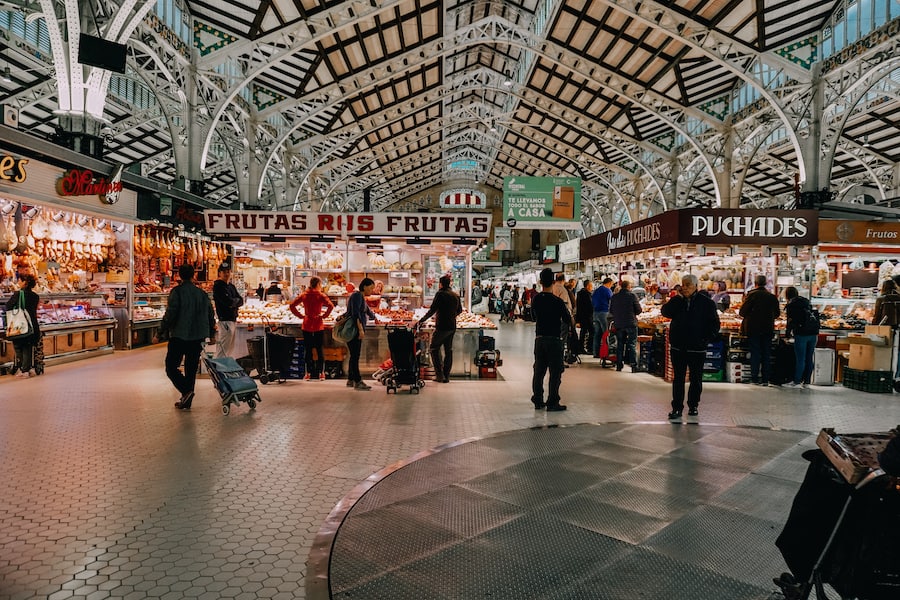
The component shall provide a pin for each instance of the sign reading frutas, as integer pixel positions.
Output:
(425, 225)
(83, 182)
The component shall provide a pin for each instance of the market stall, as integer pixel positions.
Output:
(158, 250)
(68, 228)
(725, 248)
(404, 253)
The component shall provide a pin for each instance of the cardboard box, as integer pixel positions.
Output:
(867, 357)
(882, 330)
(868, 340)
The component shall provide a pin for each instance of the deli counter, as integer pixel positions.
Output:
(73, 326)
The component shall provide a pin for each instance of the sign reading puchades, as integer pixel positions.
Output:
(280, 223)
(708, 226)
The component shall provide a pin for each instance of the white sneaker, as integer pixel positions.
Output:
(791, 384)
(805, 386)
(23, 374)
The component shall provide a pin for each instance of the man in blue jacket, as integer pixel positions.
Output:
(600, 299)
(695, 322)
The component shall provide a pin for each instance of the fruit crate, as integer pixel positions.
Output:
(876, 382)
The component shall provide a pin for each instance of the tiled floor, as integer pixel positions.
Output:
(108, 491)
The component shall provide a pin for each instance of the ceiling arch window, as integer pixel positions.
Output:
(855, 19)
(176, 18)
(35, 32)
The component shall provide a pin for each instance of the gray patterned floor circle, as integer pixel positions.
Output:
(593, 511)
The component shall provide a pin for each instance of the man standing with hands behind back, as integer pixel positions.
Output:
(759, 311)
(695, 322)
(189, 320)
(228, 301)
(550, 316)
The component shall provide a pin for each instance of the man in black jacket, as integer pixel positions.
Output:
(446, 306)
(695, 322)
(584, 316)
(759, 311)
(551, 318)
(227, 301)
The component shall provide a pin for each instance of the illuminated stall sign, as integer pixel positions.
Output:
(708, 226)
(83, 182)
(13, 169)
(837, 231)
(426, 225)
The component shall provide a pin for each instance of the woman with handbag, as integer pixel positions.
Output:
(24, 346)
(313, 301)
(360, 311)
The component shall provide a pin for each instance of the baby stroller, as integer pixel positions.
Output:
(232, 383)
(271, 354)
(405, 367)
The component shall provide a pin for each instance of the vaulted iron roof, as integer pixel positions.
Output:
(307, 104)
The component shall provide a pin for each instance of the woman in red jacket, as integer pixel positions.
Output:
(313, 301)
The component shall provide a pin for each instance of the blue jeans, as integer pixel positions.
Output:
(601, 324)
(760, 356)
(804, 350)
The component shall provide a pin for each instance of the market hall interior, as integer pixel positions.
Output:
(110, 492)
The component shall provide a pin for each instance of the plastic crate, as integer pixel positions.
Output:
(876, 382)
(713, 375)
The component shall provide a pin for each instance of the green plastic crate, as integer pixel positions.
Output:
(876, 382)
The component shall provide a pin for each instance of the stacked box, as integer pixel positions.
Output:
(736, 372)
(738, 356)
(714, 365)
(658, 364)
(297, 368)
(876, 382)
(645, 362)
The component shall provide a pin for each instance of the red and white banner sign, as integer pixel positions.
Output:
(463, 199)
(238, 222)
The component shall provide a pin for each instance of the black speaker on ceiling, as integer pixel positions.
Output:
(100, 53)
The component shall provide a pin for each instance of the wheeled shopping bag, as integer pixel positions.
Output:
(232, 383)
(842, 533)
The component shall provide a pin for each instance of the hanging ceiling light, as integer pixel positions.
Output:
(7, 75)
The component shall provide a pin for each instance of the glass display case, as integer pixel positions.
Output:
(147, 311)
(844, 313)
(74, 326)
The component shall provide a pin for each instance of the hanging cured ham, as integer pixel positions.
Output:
(4, 242)
(21, 231)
